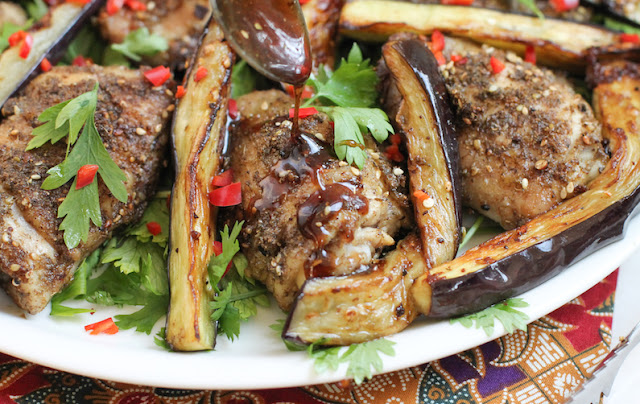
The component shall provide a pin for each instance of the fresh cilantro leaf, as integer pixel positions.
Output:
(76, 112)
(325, 359)
(114, 288)
(278, 327)
(243, 79)
(161, 339)
(89, 44)
(129, 254)
(79, 208)
(8, 28)
(349, 125)
(76, 289)
(230, 246)
(353, 84)
(505, 312)
(531, 5)
(36, 9)
(141, 43)
(144, 319)
(48, 131)
(158, 212)
(472, 230)
(620, 26)
(362, 357)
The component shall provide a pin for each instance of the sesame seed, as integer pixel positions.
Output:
(448, 186)
(158, 128)
(6, 238)
(14, 267)
(525, 183)
(466, 120)
(493, 88)
(398, 171)
(264, 106)
(541, 164)
(375, 155)
(477, 144)
(327, 210)
(342, 163)
(355, 171)
(14, 132)
(519, 108)
(378, 174)
(141, 131)
(318, 224)
(171, 107)
(428, 203)
(245, 34)
(570, 187)
(257, 26)
(35, 177)
(320, 136)
(168, 92)
(586, 140)
(563, 193)
(544, 142)
(525, 111)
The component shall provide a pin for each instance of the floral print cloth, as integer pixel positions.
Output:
(543, 365)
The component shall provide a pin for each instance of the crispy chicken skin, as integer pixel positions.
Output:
(36, 263)
(527, 139)
(180, 22)
(306, 213)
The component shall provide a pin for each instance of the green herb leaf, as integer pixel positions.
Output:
(89, 44)
(8, 29)
(76, 112)
(505, 312)
(48, 131)
(365, 356)
(230, 246)
(36, 9)
(158, 212)
(531, 5)
(140, 43)
(161, 339)
(349, 125)
(78, 208)
(144, 319)
(243, 79)
(325, 358)
(472, 230)
(353, 84)
(278, 327)
(76, 289)
(620, 26)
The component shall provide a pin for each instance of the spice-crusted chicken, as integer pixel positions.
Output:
(527, 139)
(180, 22)
(306, 213)
(129, 117)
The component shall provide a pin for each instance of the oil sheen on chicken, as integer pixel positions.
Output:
(306, 213)
(527, 139)
(132, 119)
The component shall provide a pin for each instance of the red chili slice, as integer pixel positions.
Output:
(154, 228)
(440, 58)
(223, 179)
(496, 65)
(158, 75)
(395, 139)
(437, 41)
(201, 73)
(564, 5)
(530, 54)
(26, 46)
(113, 6)
(79, 61)
(180, 92)
(303, 112)
(106, 326)
(135, 5)
(233, 109)
(393, 153)
(16, 37)
(80, 2)
(629, 38)
(217, 250)
(45, 65)
(457, 2)
(229, 195)
(86, 174)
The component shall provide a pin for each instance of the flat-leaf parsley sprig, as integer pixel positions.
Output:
(505, 312)
(81, 206)
(348, 96)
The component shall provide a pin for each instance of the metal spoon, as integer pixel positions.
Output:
(270, 35)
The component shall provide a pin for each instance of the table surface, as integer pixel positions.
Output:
(626, 316)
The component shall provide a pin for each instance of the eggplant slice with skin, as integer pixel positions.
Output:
(375, 303)
(519, 260)
(51, 36)
(199, 127)
(557, 43)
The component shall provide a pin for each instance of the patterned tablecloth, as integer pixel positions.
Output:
(543, 365)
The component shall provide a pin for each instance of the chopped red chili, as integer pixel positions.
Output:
(457, 2)
(158, 75)
(25, 48)
(217, 250)
(530, 54)
(564, 5)
(16, 38)
(135, 5)
(113, 6)
(496, 65)
(45, 65)
(303, 112)
(201, 73)
(80, 2)
(223, 179)
(233, 109)
(395, 139)
(154, 228)
(180, 92)
(228, 195)
(437, 41)
(629, 38)
(79, 61)
(86, 174)
(440, 58)
(106, 326)
(393, 153)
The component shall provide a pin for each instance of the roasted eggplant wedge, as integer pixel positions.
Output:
(364, 306)
(417, 102)
(343, 310)
(520, 259)
(322, 18)
(50, 36)
(199, 126)
(557, 43)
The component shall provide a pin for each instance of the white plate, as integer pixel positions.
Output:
(259, 359)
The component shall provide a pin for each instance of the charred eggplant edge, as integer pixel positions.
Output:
(189, 326)
(51, 38)
(521, 259)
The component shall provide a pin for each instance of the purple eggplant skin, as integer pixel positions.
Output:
(424, 66)
(11, 84)
(521, 259)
